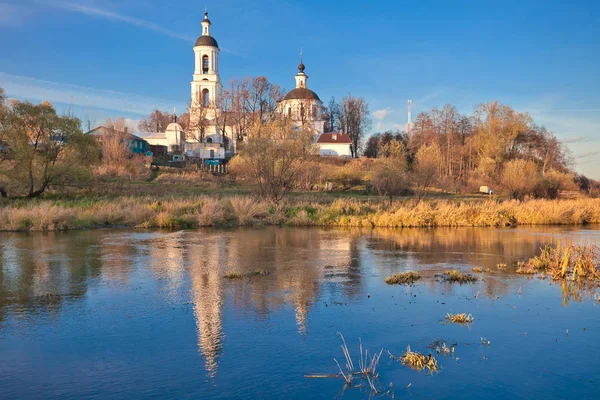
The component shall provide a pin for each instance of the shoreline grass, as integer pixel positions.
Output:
(239, 210)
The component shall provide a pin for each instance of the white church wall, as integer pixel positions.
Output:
(334, 149)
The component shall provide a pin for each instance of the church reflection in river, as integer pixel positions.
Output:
(45, 272)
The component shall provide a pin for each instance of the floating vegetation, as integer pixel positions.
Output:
(417, 361)
(259, 272)
(233, 275)
(463, 318)
(405, 278)
(477, 269)
(573, 262)
(445, 350)
(502, 266)
(457, 276)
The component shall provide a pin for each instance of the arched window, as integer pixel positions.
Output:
(209, 140)
(302, 111)
(205, 64)
(315, 112)
(205, 98)
(289, 112)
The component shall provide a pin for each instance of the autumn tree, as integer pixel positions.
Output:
(354, 120)
(45, 150)
(273, 160)
(520, 178)
(426, 168)
(390, 172)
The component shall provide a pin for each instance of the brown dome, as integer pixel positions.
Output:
(301, 94)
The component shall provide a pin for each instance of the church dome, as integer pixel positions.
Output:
(301, 94)
(174, 126)
(205, 40)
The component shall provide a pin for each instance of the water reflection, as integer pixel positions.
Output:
(39, 273)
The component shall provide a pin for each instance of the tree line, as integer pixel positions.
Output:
(495, 146)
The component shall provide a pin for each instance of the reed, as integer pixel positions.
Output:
(459, 277)
(405, 278)
(565, 262)
(463, 318)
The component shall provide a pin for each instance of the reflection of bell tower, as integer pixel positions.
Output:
(207, 297)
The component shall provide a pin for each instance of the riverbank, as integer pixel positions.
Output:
(198, 211)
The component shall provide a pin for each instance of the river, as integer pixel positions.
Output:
(124, 314)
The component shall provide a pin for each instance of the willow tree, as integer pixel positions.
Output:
(43, 150)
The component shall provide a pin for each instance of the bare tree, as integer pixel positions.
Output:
(274, 160)
(390, 172)
(332, 116)
(426, 168)
(354, 120)
(158, 121)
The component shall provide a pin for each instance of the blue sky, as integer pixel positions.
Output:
(125, 57)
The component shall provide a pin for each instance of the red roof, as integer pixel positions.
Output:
(334, 137)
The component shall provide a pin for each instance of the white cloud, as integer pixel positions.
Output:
(103, 13)
(39, 90)
(113, 16)
(382, 114)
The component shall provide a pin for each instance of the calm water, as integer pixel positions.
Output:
(130, 314)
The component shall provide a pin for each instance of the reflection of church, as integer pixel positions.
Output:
(210, 133)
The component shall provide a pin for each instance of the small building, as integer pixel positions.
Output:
(135, 144)
(334, 144)
(173, 138)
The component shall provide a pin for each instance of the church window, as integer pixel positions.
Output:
(205, 98)
(289, 112)
(205, 64)
(302, 111)
(315, 111)
(209, 140)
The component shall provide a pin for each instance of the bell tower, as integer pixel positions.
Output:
(206, 83)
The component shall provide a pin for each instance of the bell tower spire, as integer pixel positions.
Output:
(206, 24)
(301, 77)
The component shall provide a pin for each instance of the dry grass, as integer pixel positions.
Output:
(418, 361)
(570, 262)
(477, 269)
(459, 277)
(160, 207)
(463, 318)
(405, 278)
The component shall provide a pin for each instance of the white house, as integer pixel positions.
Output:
(173, 138)
(334, 144)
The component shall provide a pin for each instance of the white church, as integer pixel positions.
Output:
(301, 105)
